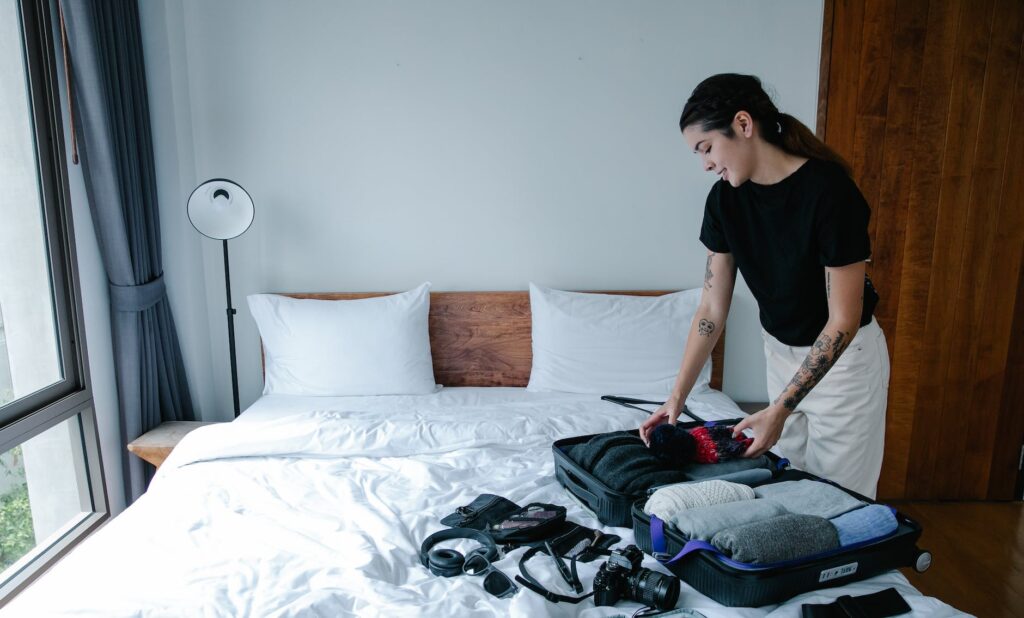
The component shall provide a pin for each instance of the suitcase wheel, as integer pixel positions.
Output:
(924, 560)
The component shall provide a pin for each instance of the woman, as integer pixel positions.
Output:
(788, 215)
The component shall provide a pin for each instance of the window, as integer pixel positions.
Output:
(51, 490)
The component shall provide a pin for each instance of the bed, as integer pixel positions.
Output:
(316, 506)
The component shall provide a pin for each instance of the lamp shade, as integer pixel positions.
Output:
(220, 209)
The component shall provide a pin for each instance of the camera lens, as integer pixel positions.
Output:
(654, 589)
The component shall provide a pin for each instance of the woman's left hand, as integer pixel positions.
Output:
(767, 425)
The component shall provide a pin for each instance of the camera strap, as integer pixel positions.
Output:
(530, 582)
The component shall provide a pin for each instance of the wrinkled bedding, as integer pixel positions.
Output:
(316, 506)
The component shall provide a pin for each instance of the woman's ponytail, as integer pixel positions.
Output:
(716, 100)
(796, 138)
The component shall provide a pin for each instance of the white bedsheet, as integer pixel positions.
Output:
(312, 506)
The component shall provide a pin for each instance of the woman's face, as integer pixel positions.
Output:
(731, 158)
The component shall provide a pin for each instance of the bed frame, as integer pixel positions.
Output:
(483, 338)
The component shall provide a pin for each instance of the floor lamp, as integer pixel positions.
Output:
(221, 209)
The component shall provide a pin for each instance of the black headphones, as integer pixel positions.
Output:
(448, 562)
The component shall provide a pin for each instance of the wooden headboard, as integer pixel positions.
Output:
(483, 338)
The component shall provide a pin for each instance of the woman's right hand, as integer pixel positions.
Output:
(667, 413)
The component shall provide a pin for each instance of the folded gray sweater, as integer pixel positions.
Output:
(623, 462)
(786, 537)
(807, 497)
(704, 522)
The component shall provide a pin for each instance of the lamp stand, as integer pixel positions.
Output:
(231, 330)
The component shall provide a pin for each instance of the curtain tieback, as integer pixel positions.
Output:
(137, 297)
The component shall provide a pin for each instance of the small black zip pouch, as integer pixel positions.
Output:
(537, 521)
(479, 514)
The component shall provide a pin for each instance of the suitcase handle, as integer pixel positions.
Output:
(578, 488)
(627, 402)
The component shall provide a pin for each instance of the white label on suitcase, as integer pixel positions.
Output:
(840, 571)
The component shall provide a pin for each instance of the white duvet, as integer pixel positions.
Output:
(317, 507)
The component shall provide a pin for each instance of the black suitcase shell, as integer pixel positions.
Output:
(737, 587)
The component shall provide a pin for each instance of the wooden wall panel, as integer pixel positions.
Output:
(979, 384)
(929, 141)
(844, 70)
(999, 351)
(922, 97)
(890, 211)
(872, 99)
(931, 465)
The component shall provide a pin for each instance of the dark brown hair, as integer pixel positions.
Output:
(716, 100)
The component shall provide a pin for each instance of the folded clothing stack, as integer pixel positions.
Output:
(623, 462)
(704, 523)
(781, 538)
(807, 497)
(683, 497)
(865, 524)
(774, 522)
(755, 465)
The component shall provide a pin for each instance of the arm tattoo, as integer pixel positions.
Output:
(822, 356)
(705, 327)
(828, 284)
(707, 273)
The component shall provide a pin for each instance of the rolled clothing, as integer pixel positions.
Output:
(698, 472)
(779, 539)
(623, 462)
(668, 501)
(704, 522)
(865, 524)
(807, 497)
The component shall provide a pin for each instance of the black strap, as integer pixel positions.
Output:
(570, 576)
(630, 402)
(881, 604)
(530, 582)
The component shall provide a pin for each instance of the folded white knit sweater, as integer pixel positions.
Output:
(671, 499)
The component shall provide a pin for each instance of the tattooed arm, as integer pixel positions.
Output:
(708, 322)
(844, 288)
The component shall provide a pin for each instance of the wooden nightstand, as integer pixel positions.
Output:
(155, 445)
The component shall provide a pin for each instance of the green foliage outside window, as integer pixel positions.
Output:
(17, 536)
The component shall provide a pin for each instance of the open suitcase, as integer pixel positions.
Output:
(613, 508)
(732, 583)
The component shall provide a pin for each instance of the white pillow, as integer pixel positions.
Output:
(372, 346)
(610, 344)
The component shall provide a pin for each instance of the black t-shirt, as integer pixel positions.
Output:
(782, 237)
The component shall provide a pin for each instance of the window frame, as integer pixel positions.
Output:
(44, 105)
(24, 418)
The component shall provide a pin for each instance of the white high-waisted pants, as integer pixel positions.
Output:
(838, 430)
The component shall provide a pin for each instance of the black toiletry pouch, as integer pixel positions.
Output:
(582, 543)
(479, 514)
(535, 522)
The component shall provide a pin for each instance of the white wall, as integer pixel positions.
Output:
(478, 145)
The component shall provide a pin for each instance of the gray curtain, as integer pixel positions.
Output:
(111, 121)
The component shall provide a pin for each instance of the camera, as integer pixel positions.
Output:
(622, 577)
